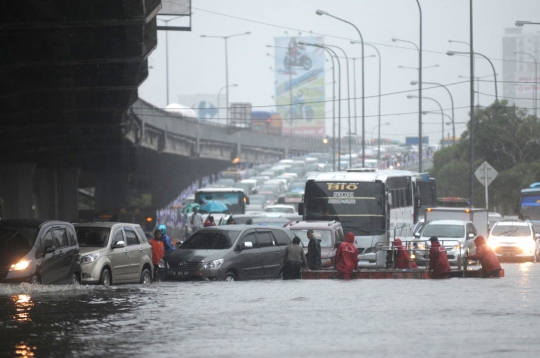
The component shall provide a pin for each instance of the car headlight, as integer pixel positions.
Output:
(88, 259)
(421, 246)
(493, 244)
(161, 264)
(457, 247)
(21, 265)
(527, 248)
(212, 264)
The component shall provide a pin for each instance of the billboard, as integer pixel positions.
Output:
(300, 84)
(176, 8)
(207, 106)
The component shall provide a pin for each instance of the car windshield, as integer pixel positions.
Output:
(17, 238)
(280, 210)
(93, 236)
(297, 187)
(210, 240)
(270, 222)
(454, 231)
(511, 230)
(324, 235)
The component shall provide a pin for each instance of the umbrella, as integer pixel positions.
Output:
(189, 208)
(214, 206)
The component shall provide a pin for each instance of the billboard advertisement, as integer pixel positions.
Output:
(300, 84)
(207, 106)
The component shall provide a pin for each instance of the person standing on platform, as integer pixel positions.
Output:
(346, 257)
(293, 259)
(402, 258)
(439, 267)
(196, 220)
(314, 252)
(489, 261)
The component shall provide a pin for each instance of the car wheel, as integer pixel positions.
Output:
(230, 277)
(105, 279)
(35, 280)
(75, 279)
(146, 278)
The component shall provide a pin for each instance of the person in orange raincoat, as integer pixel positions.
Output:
(158, 251)
(489, 261)
(439, 267)
(402, 258)
(346, 257)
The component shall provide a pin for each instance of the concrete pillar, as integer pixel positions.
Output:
(45, 193)
(111, 191)
(16, 190)
(286, 153)
(67, 184)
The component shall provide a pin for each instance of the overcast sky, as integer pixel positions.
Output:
(197, 65)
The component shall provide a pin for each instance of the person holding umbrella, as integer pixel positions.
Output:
(196, 220)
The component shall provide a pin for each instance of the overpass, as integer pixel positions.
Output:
(71, 118)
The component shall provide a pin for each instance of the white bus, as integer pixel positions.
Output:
(377, 206)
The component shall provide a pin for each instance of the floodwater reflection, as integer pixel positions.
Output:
(23, 306)
(24, 350)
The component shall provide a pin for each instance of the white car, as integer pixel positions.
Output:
(515, 239)
(455, 235)
(277, 210)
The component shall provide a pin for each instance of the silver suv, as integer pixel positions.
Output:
(114, 253)
(515, 239)
(455, 235)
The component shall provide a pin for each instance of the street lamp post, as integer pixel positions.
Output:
(380, 70)
(452, 53)
(219, 92)
(225, 38)
(419, 89)
(348, 100)
(535, 79)
(447, 123)
(442, 113)
(520, 23)
(333, 54)
(320, 12)
(167, 54)
(451, 99)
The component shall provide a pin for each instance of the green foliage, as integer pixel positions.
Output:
(508, 139)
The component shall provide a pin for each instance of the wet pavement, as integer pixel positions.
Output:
(310, 318)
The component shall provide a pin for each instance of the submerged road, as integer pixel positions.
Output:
(308, 318)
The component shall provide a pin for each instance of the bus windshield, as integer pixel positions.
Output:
(233, 200)
(530, 207)
(358, 206)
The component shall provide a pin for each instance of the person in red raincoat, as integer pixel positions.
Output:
(490, 263)
(209, 221)
(402, 258)
(158, 251)
(439, 267)
(347, 257)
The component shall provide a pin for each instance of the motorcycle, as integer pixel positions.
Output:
(302, 59)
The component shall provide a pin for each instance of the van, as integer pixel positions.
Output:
(39, 252)
(230, 253)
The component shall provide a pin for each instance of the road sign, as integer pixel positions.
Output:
(486, 173)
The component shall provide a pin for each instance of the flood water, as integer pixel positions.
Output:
(319, 318)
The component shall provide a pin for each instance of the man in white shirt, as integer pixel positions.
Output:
(196, 220)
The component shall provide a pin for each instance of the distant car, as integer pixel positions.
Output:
(456, 236)
(113, 253)
(230, 253)
(284, 209)
(330, 234)
(515, 240)
(39, 251)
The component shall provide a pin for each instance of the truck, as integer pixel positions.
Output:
(478, 216)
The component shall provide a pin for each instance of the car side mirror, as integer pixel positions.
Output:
(537, 236)
(470, 236)
(337, 244)
(245, 245)
(49, 249)
(118, 244)
(417, 235)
